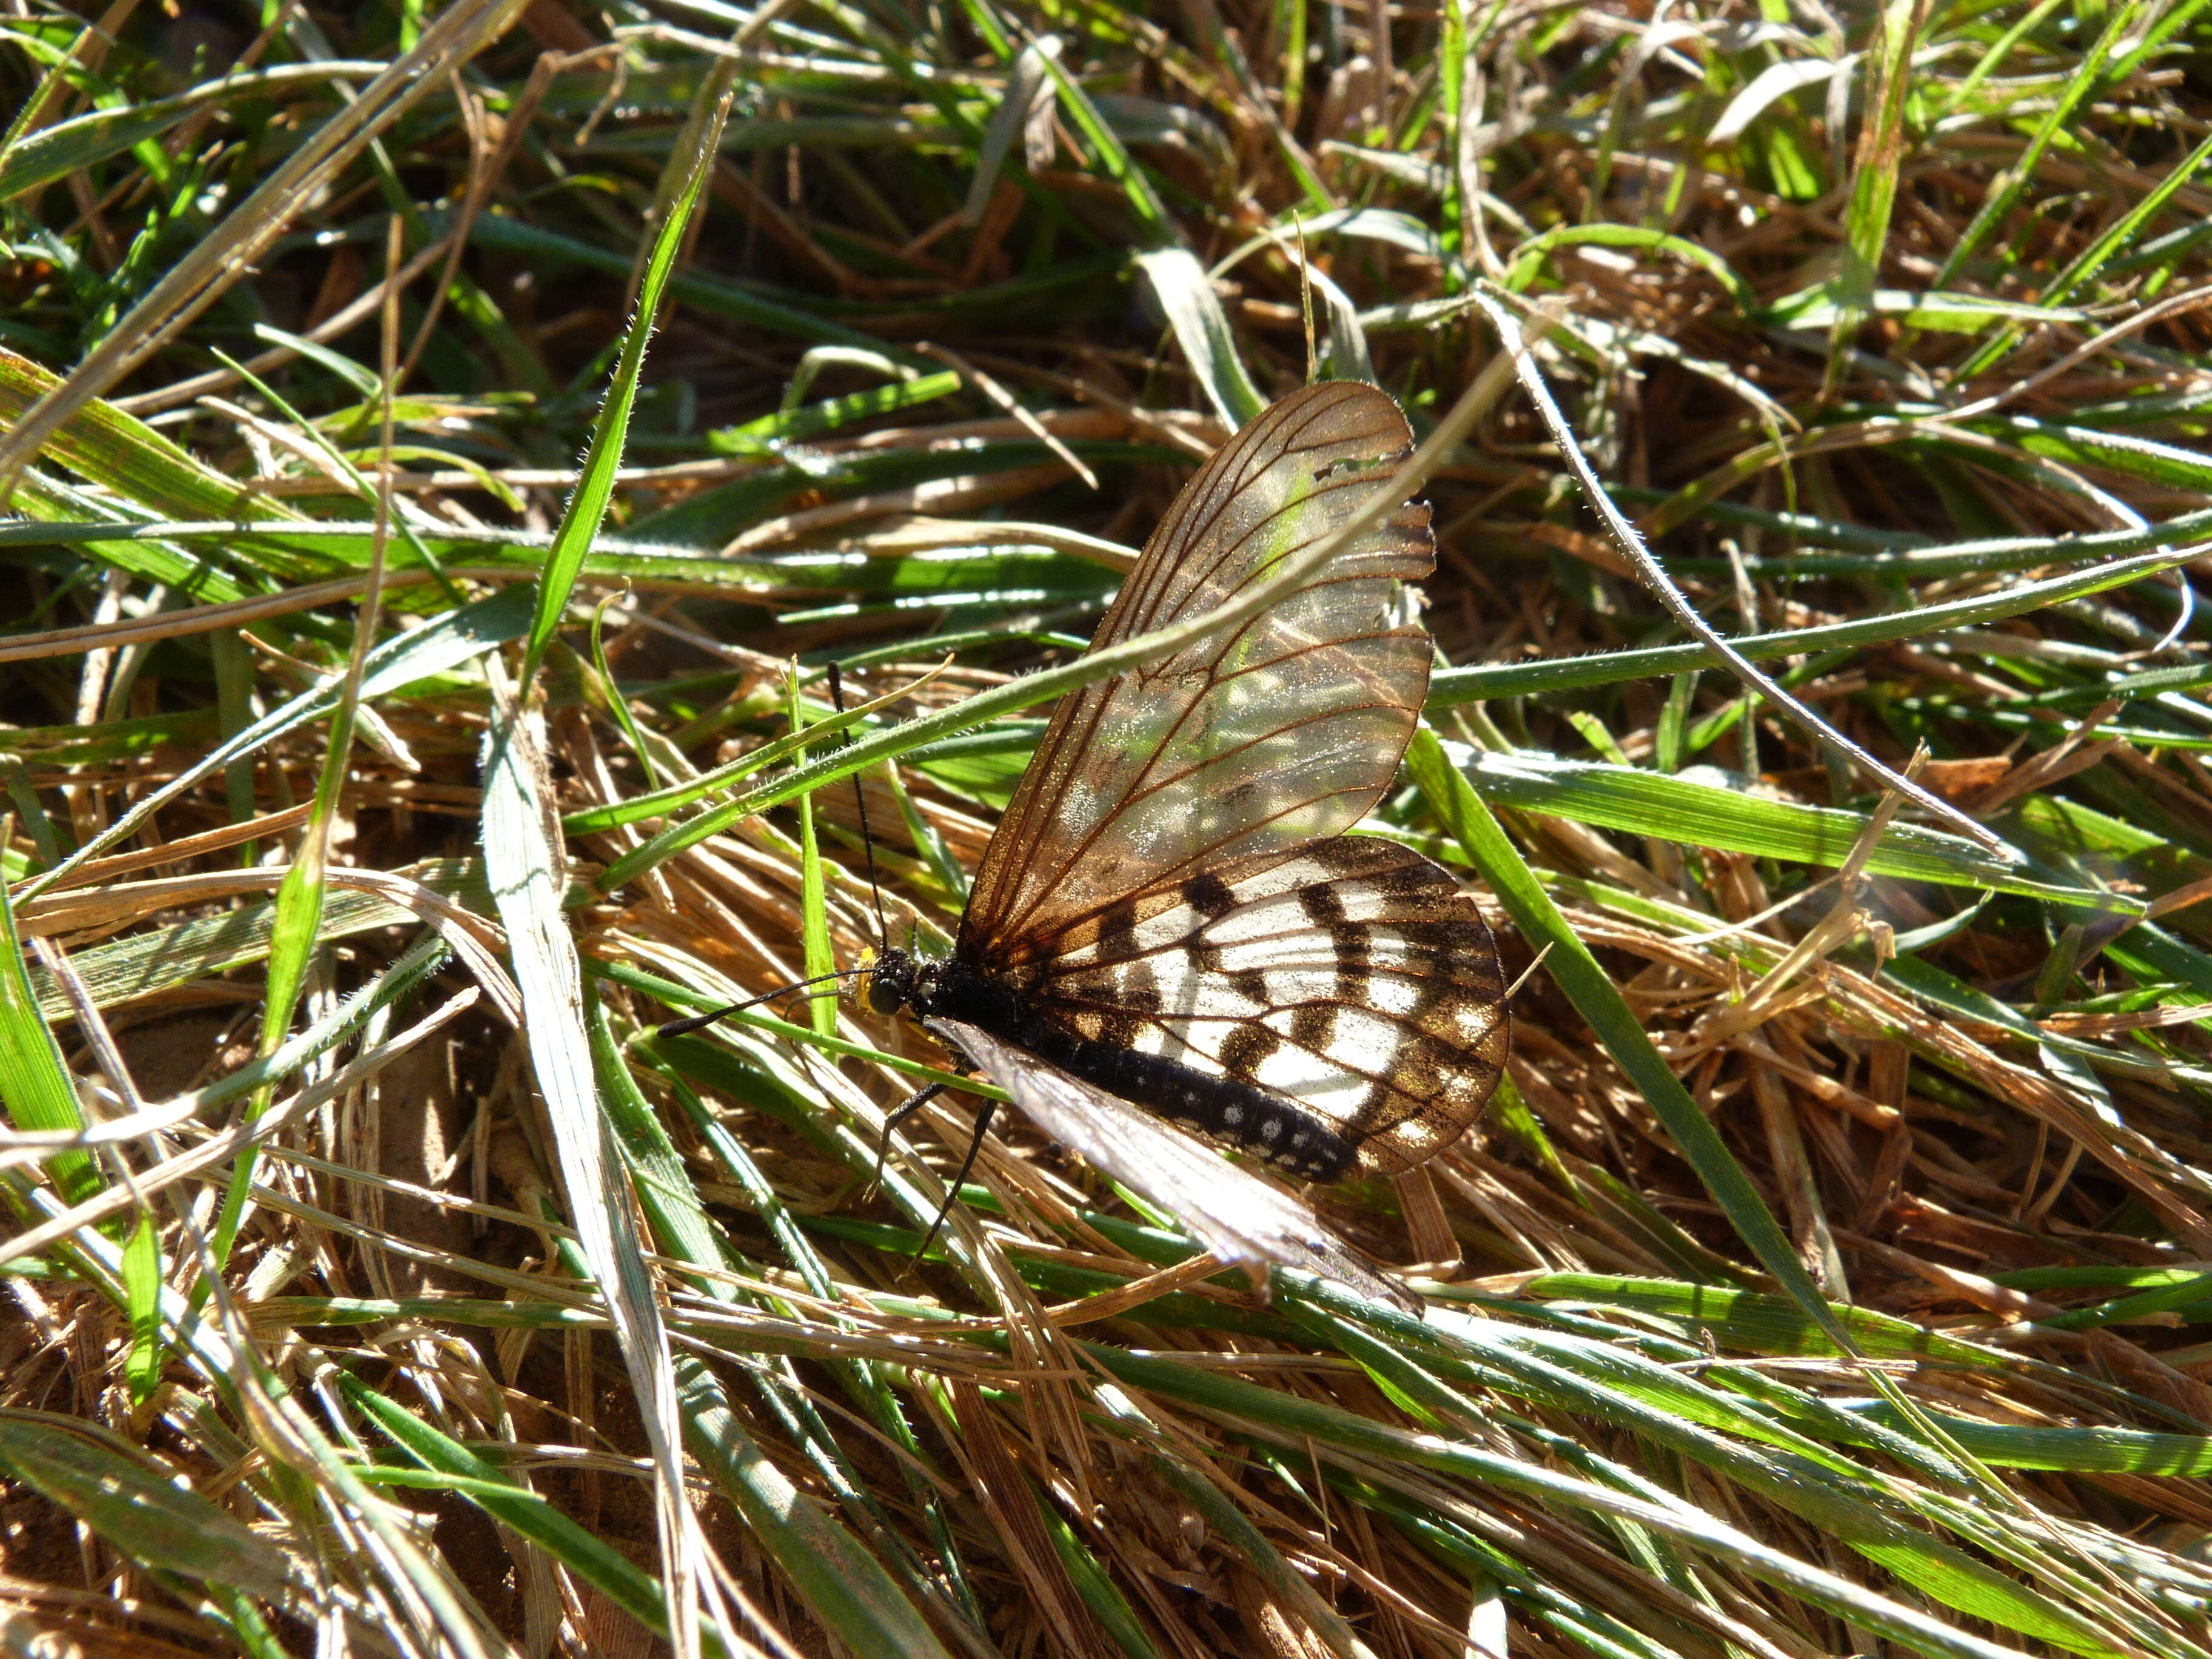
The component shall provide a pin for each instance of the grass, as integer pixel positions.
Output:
(445, 449)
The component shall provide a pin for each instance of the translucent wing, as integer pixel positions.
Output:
(1355, 980)
(1236, 1214)
(1255, 743)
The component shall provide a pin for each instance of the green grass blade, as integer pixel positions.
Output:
(1452, 686)
(587, 506)
(1700, 814)
(1099, 1594)
(141, 1306)
(2124, 231)
(2125, 1451)
(522, 859)
(85, 141)
(142, 1512)
(827, 1566)
(34, 1083)
(1303, 1424)
(1529, 258)
(591, 1557)
(213, 262)
(1194, 312)
(1874, 180)
(1155, 228)
(451, 640)
(2082, 80)
(813, 900)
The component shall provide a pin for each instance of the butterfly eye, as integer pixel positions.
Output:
(889, 984)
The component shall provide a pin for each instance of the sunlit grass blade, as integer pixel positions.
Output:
(1194, 312)
(142, 1292)
(2080, 80)
(583, 1552)
(587, 506)
(300, 895)
(143, 1510)
(521, 858)
(1477, 682)
(454, 638)
(1875, 168)
(34, 1083)
(1703, 814)
(813, 921)
(1340, 1434)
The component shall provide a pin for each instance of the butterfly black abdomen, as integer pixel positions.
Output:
(1223, 1108)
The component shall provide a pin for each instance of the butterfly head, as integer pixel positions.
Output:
(889, 978)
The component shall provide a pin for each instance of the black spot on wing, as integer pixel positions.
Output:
(1313, 1026)
(1141, 995)
(1120, 1028)
(1394, 1019)
(1409, 881)
(1350, 941)
(1343, 856)
(1321, 905)
(1117, 933)
(1209, 895)
(1247, 1049)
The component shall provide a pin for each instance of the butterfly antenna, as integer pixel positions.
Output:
(691, 1023)
(1305, 300)
(860, 801)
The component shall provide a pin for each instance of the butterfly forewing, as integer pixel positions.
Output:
(1251, 744)
(1238, 1216)
(1354, 979)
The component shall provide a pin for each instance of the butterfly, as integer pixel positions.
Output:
(1171, 939)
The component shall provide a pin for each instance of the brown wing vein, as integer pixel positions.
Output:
(1138, 617)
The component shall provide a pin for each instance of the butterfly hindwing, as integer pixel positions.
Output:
(1354, 979)
(1237, 1215)
(1260, 740)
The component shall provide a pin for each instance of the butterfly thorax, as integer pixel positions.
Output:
(1223, 1108)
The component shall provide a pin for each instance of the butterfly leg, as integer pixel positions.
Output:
(905, 1109)
(960, 1176)
(898, 1114)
